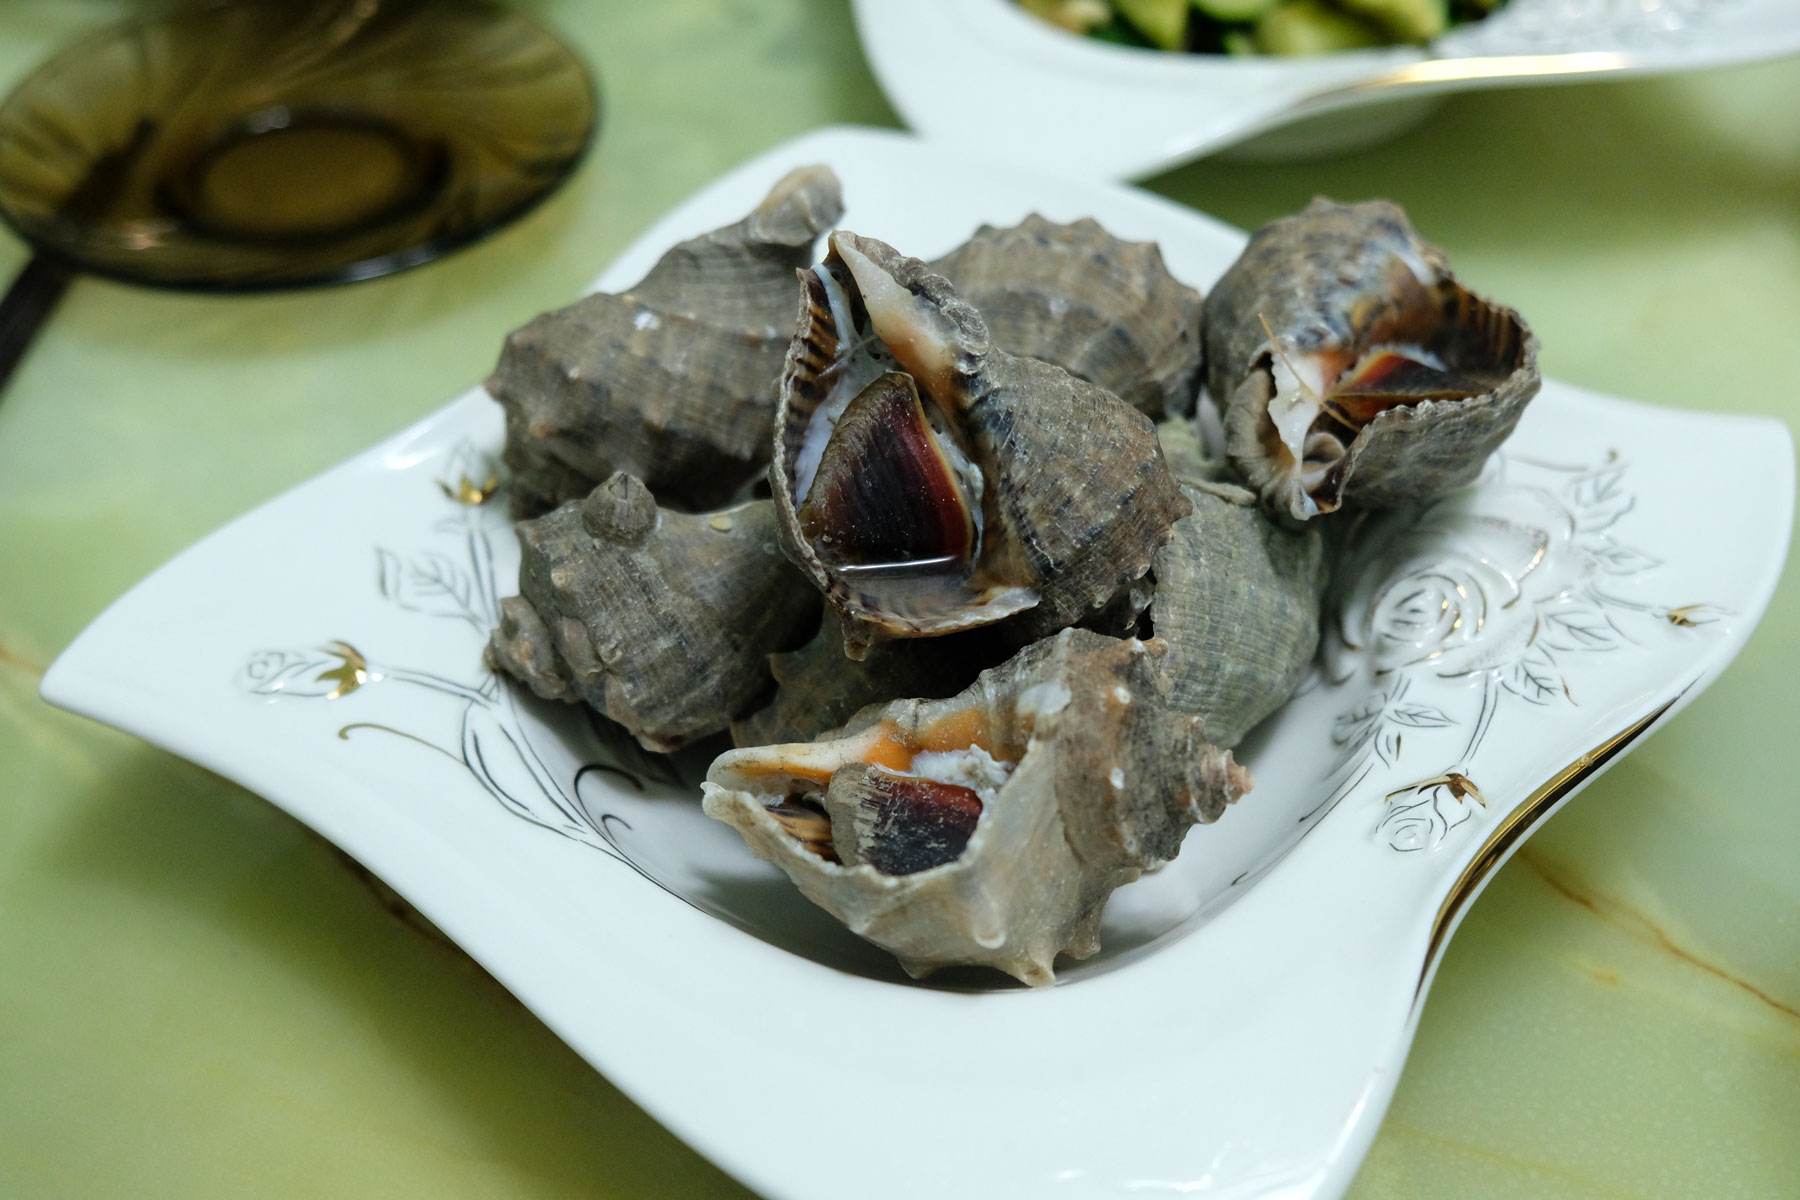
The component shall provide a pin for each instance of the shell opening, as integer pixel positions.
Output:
(891, 492)
(1298, 386)
(886, 494)
(1388, 376)
(899, 801)
(1320, 400)
(858, 361)
(807, 824)
(915, 331)
(899, 824)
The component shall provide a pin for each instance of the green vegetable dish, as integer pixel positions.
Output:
(1259, 26)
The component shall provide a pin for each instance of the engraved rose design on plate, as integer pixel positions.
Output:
(1507, 586)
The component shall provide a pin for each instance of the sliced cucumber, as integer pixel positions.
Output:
(1310, 27)
(1235, 10)
(1240, 43)
(1164, 22)
(1076, 16)
(1407, 20)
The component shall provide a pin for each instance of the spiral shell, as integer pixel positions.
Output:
(663, 621)
(672, 380)
(1351, 367)
(928, 482)
(1103, 309)
(989, 828)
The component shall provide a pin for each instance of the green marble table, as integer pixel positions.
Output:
(201, 999)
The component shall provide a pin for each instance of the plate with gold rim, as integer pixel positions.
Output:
(1243, 1029)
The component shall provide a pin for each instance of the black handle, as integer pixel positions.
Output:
(29, 302)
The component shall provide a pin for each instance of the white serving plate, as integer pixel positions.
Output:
(1243, 1030)
(994, 81)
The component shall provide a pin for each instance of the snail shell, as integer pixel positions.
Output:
(1185, 450)
(1351, 367)
(1237, 600)
(819, 688)
(928, 482)
(671, 380)
(991, 827)
(663, 621)
(1103, 309)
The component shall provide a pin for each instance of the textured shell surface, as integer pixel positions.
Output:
(1237, 600)
(929, 482)
(818, 688)
(663, 621)
(672, 380)
(989, 828)
(1103, 309)
(1352, 368)
(1184, 449)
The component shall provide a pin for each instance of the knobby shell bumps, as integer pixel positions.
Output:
(986, 648)
(663, 621)
(1102, 309)
(672, 380)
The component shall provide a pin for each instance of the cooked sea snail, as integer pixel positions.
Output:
(959, 480)
(991, 827)
(1351, 367)
(663, 621)
(1101, 308)
(672, 380)
(928, 482)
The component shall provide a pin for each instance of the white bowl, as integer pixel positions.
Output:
(990, 79)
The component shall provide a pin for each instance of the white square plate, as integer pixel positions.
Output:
(1243, 1030)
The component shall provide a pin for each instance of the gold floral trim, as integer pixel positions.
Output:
(470, 493)
(1517, 824)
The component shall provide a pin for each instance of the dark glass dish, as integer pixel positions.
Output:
(258, 144)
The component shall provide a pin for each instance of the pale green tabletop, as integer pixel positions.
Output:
(201, 999)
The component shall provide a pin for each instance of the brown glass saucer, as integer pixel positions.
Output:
(259, 144)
